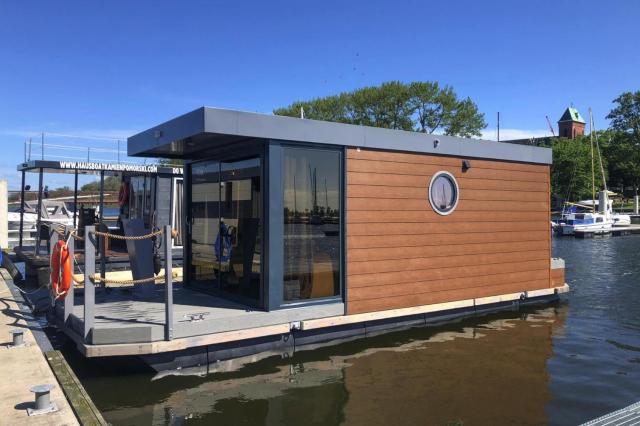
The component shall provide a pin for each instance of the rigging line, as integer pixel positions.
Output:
(92, 137)
(77, 148)
(604, 181)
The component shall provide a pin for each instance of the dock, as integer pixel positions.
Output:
(626, 416)
(36, 363)
(615, 232)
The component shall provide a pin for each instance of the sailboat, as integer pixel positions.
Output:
(602, 220)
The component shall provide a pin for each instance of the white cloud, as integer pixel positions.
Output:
(508, 134)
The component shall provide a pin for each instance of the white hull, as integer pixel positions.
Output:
(621, 219)
(598, 228)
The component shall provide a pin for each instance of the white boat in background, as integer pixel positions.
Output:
(596, 221)
(53, 212)
(601, 218)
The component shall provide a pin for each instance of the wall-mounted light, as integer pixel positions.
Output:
(436, 142)
(158, 134)
(466, 165)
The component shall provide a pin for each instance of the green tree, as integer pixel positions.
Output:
(417, 106)
(625, 117)
(623, 157)
(571, 169)
(111, 183)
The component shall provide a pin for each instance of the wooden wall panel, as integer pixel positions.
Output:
(400, 253)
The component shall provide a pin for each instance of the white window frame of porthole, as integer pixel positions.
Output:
(457, 189)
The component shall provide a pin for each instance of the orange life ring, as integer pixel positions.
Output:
(61, 270)
(123, 195)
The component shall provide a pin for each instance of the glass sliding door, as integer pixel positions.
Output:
(226, 228)
(204, 223)
(241, 228)
(312, 200)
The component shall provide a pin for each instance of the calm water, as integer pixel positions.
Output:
(561, 364)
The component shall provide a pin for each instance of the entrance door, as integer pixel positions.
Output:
(226, 229)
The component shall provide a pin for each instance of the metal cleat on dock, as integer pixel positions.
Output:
(43, 404)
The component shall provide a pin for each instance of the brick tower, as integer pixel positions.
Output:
(571, 124)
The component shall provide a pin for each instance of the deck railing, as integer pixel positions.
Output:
(91, 241)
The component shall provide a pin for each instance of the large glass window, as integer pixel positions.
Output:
(312, 194)
(226, 227)
(141, 198)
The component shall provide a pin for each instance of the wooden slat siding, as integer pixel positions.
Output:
(372, 292)
(408, 193)
(403, 253)
(391, 204)
(369, 166)
(416, 264)
(442, 228)
(380, 241)
(464, 182)
(381, 304)
(400, 253)
(360, 216)
(393, 278)
(414, 158)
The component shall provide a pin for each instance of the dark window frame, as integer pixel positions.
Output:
(255, 150)
(276, 281)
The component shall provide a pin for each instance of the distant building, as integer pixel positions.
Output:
(571, 124)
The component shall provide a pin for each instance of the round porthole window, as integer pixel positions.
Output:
(443, 193)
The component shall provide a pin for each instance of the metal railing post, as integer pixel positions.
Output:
(102, 249)
(168, 284)
(53, 240)
(39, 217)
(21, 212)
(89, 288)
(69, 299)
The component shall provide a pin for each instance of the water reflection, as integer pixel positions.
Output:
(490, 371)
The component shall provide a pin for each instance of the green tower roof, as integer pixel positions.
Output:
(572, 114)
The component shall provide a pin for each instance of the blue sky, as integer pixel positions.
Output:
(110, 69)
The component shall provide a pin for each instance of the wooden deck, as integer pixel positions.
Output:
(128, 315)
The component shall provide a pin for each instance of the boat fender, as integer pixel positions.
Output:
(123, 195)
(61, 270)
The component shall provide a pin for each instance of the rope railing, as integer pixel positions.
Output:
(74, 233)
(89, 278)
(125, 237)
(98, 278)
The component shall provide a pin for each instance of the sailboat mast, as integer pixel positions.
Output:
(593, 166)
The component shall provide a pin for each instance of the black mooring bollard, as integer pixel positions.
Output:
(43, 402)
(18, 337)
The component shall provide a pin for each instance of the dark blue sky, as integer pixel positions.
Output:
(117, 67)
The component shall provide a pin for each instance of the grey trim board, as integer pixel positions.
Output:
(211, 127)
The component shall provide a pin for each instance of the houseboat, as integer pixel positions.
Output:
(299, 233)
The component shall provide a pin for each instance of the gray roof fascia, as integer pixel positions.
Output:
(254, 125)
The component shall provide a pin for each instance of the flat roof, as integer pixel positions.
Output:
(91, 167)
(205, 127)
